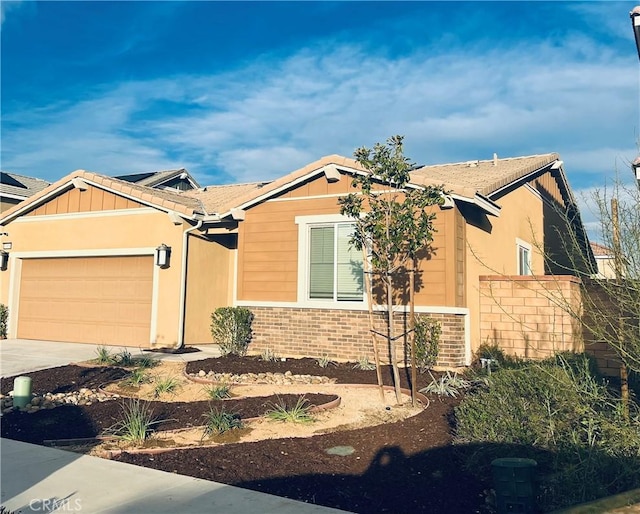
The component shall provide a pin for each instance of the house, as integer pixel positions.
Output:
(180, 179)
(97, 271)
(14, 188)
(604, 259)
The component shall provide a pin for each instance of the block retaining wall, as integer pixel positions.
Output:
(344, 334)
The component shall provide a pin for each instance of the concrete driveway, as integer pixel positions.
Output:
(24, 355)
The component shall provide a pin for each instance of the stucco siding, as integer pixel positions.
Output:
(209, 279)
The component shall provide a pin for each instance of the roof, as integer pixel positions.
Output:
(20, 185)
(601, 250)
(484, 177)
(155, 178)
(465, 179)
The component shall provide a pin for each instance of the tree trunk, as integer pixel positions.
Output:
(372, 328)
(412, 327)
(391, 337)
(618, 263)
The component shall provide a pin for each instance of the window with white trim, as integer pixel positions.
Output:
(335, 271)
(524, 257)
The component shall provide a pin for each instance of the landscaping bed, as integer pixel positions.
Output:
(403, 466)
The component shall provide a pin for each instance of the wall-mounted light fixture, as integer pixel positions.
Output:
(4, 260)
(163, 256)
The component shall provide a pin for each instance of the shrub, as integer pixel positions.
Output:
(136, 424)
(4, 318)
(447, 385)
(298, 413)
(324, 361)
(427, 336)
(144, 361)
(124, 358)
(218, 391)
(218, 421)
(231, 329)
(268, 355)
(104, 356)
(137, 377)
(364, 364)
(165, 386)
(561, 414)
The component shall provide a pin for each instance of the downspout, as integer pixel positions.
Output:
(183, 282)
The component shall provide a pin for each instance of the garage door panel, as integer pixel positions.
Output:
(101, 300)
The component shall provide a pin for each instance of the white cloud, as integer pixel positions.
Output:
(276, 115)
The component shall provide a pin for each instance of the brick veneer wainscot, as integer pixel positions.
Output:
(344, 334)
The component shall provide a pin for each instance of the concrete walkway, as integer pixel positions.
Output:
(40, 479)
(24, 355)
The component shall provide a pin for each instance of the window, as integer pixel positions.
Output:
(524, 258)
(334, 266)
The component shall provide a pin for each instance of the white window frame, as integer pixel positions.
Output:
(304, 224)
(523, 245)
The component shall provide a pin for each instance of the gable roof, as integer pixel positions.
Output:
(18, 186)
(483, 177)
(469, 181)
(601, 251)
(163, 199)
(157, 178)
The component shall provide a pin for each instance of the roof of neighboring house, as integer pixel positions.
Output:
(20, 185)
(601, 250)
(484, 177)
(156, 178)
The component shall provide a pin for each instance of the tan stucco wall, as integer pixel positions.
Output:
(209, 280)
(100, 235)
(268, 247)
(492, 249)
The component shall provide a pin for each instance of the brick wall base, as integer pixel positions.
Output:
(344, 335)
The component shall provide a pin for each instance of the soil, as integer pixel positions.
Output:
(401, 466)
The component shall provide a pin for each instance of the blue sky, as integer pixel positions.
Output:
(243, 91)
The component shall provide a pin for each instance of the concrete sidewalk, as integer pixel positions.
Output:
(24, 355)
(41, 479)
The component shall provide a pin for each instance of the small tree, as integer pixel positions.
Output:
(392, 224)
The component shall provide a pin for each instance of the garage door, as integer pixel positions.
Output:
(98, 300)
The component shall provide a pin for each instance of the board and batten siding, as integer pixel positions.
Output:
(268, 247)
(75, 200)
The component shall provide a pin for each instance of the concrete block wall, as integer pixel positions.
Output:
(531, 316)
(344, 334)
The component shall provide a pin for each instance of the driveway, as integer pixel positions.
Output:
(24, 355)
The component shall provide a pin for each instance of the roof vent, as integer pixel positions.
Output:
(495, 159)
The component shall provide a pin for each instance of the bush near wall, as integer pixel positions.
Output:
(4, 318)
(231, 329)
(560, 413)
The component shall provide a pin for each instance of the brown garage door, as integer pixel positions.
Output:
(100, 300)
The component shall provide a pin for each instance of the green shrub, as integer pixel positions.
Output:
(4, 318)
(135, 426)
(218, 421)
(137, 377)
(165, 385)
(124, 358)
(144, 362)
(298, 413)
(325, 361)
(364, 364)
(447, 385)
(427, 336)
(218, 391)
(560, 413)
(104, 356)
(268, 355)
(231, 329)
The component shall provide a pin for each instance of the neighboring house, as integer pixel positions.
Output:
(179, 180)
(14, 188)
(604, 260)
(82, 267)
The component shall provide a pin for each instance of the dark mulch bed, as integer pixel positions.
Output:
(409, 466)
